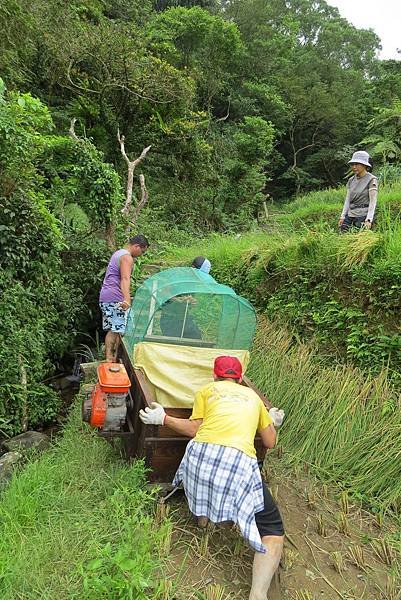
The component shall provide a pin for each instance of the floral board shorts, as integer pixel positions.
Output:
(114, 317)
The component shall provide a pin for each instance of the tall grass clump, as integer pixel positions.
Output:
(354, 250)
(345, 425)
(78, 523)
(391, 233)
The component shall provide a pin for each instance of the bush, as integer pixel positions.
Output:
(58, 200)
(31, 329)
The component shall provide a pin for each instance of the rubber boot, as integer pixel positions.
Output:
(265, 565)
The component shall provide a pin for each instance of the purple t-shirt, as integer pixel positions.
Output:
(111, 288)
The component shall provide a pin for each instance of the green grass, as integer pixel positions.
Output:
(78, 523)
(304, 232)
(220, 247)
(322, 209)
(345, 425)
(343, 290)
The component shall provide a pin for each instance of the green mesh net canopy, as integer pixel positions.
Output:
(188, 307)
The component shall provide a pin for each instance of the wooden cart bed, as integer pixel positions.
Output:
(160, 447)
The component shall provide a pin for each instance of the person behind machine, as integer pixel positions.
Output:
(202, 263)
(219, 470)
(176, 319)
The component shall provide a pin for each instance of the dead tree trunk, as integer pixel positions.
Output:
(131, 166)
(71, 130)
(143, 200)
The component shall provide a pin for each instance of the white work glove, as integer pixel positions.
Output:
(153, 415)
(277, 415)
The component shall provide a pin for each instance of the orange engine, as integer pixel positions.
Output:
(99, 407)
(113, 377)
(107, 406)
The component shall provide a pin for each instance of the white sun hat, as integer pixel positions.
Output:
(360, 157)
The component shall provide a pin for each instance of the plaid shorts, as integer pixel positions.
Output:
(114, 317)
(223, 484)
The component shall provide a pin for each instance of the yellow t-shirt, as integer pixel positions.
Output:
(231, 415)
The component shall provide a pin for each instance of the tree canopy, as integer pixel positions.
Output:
(188, 77)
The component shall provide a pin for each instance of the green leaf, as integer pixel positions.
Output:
(127, 564)
(95, 564)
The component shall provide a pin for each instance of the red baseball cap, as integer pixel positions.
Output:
(228, 366)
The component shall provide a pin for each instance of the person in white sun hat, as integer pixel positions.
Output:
(360, 201)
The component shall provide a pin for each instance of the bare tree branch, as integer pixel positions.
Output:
(228, 112)
(295, 153)
(71, 130)
(144, 197)
(121, 141)
(122, 86)
(75, 85)
(23, 380)
(113, 84)
(131, 165)
(139, 206)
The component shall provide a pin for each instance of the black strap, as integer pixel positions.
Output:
(353, 206)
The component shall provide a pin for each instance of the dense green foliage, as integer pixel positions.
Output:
(238, 99)
(54, 192)
(87, 523)
(344, 291)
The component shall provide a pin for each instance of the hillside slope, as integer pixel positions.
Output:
(342, 291)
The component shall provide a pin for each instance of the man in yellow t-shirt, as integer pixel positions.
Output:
(219, 470)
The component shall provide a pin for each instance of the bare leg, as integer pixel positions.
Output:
(265, 565)
(116, 345)
(111, 344)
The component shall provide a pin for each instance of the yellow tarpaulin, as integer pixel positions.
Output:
(177, 372)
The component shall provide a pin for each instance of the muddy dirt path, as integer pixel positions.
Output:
(333, 550)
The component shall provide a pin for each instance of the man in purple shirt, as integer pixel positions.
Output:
(115, 295)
